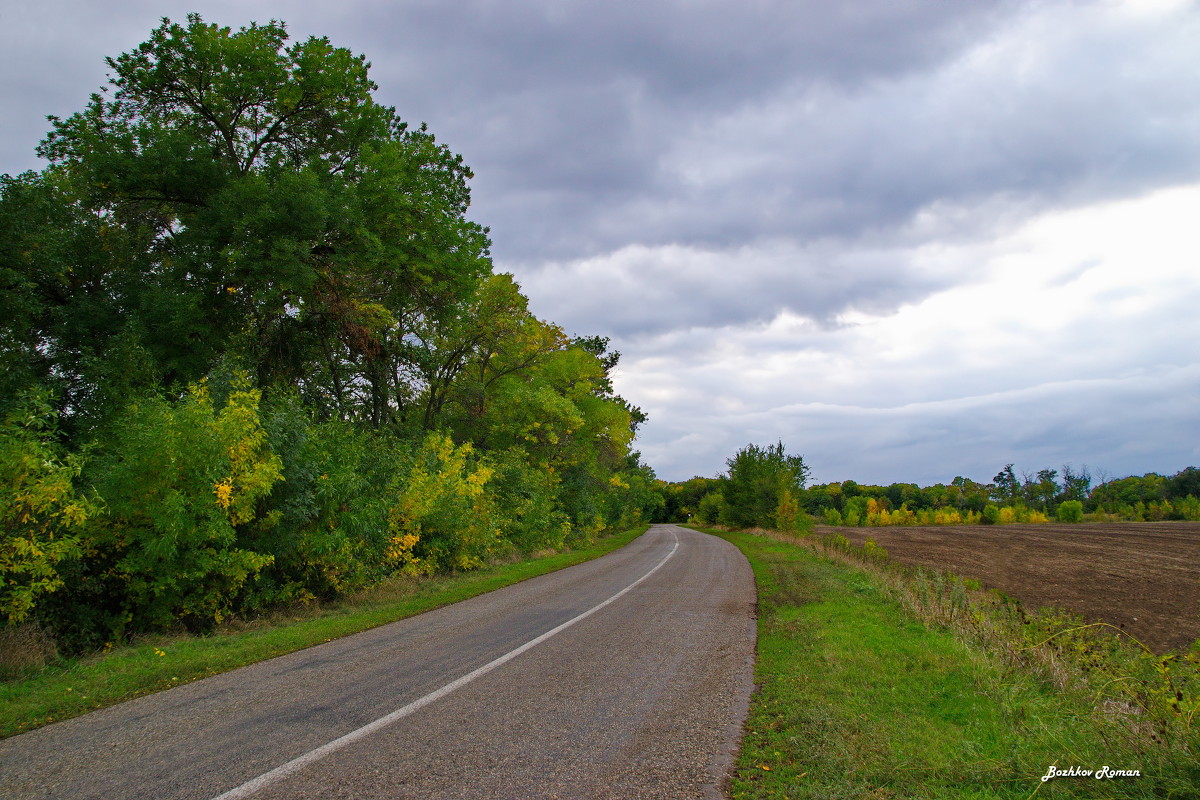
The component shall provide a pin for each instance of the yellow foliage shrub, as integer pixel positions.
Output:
(442, 517)
(40, 509)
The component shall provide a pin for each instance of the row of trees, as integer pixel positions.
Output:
(763, 488)
(254, 352)
(1033, 497)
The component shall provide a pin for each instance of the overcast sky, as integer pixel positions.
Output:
(912, 239)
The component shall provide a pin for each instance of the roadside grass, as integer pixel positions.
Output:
(77, 686)
(857, 698)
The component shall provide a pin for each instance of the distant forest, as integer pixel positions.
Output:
(766, 487)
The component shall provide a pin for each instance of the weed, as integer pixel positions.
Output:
(24, 649)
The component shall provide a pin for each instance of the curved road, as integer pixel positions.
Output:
(627, 676)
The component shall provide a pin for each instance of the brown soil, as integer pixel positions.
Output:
(1141, 576)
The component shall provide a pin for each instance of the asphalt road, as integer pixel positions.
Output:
(625, 677)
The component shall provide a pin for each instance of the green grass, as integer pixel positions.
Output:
(855, 699)
(82, 685)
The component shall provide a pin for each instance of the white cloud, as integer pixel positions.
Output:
(1075, 339)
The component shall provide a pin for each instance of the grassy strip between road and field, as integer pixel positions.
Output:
(856, 698)
(152, 664)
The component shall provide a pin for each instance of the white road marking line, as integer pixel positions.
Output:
(251, 786)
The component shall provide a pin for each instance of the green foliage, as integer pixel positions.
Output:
(180, 481)
(856, 510)
(1040, 494)
(1189, 508)
(236, 214)
(469, 362)
(680, 500)
(529, 514)
(760, 479)
(1112, 495)
(1070, 511)
(1185, 483)
(332, 505)
(709, 509)
(789, 516)
(41, 511)
(1007, 488)
(1075, 483)
(635, 494)
(1029, 500)
(237, 193)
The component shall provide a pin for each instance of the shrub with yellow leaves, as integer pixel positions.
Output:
(182, 482)
(40, 510)
(442, 517)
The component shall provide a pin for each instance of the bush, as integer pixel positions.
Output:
(442, 518)
(40, 511)
(527, 502)
(1070, 511)
(789, 516)
(762, 480)
(990, 515)
(940, 516)
(708, 510)
(334, 502)
(180, 481)
(1189, 508)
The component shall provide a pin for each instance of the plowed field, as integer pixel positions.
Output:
(1142, 576)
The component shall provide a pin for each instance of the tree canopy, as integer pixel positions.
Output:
(256, 322)
(237, 196)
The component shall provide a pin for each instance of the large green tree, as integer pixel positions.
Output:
(763, 487)
(234, 194)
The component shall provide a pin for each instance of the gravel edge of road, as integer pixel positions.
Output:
(724, 763)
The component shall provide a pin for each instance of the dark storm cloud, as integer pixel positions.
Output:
(641, 291)
(596, 125)
(593, 125)
(687, 55)
(1058, 129)
(570, 110)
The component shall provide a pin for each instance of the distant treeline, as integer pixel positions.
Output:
(765, 487)
(253, 353)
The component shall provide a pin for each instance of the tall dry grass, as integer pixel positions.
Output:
(24, 649)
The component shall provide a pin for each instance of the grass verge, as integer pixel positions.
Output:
(857, 698)
(81, 685)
